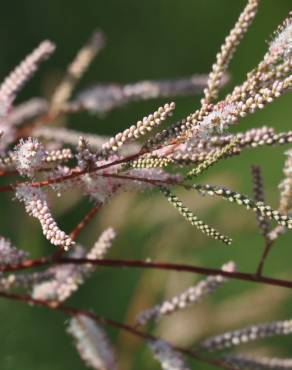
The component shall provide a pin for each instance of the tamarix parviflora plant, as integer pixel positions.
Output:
(43, 158)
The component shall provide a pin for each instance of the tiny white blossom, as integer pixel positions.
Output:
(29, 155)
(9, 254)
(282, 43)
(169, 359)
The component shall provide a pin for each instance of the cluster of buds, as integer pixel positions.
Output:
(168, 358)
(36, 205)
(242, 362)
(10, 254)
(251, 333)
(29, 156)
(92, 343)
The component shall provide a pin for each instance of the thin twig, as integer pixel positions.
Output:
(244, 276)
(268, 247)
(79, 227)
(263, 223)
(72, 311)
(85, 221)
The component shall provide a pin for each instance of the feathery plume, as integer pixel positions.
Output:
(244, 362)
(77, 69)
(242, 200)
(189, 216)
(103, 98)
(190, 296)
(248, 334)
(36, 205)
(138, 130)
(102, 245)
(92, 343)
(26, 69)
(225, 55)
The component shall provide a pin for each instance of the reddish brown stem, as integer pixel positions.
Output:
(72, 311)
(74, 173)
(77, 173)
(85, 221)
(268, 246)
(79, 227)
(16, 173)
(151, 265)
(180, 267)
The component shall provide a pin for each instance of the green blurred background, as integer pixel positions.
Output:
(152, 39)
